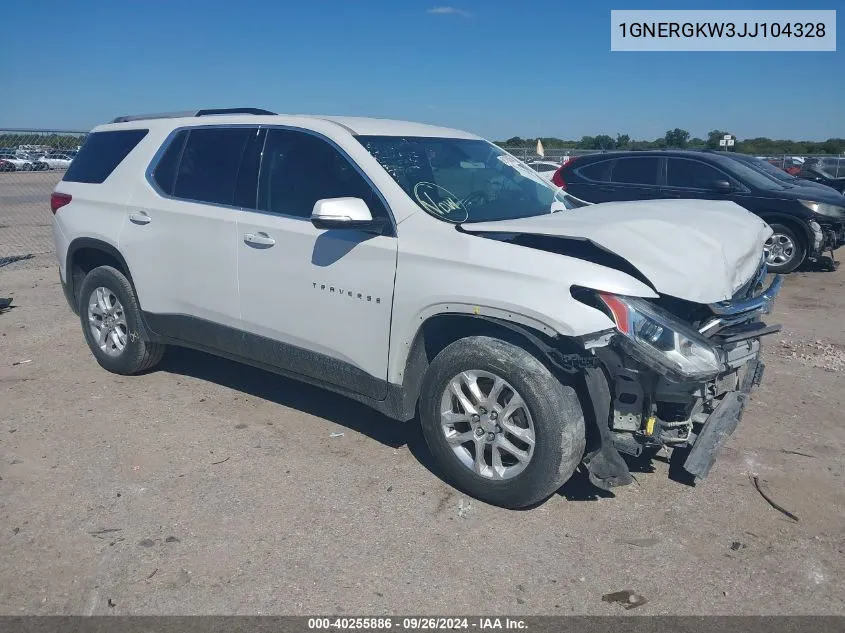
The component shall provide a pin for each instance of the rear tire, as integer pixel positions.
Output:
(550, 416)
(785, 250)
(112, 325)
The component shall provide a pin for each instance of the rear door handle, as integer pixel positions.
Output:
(259, 240)
(139, 217)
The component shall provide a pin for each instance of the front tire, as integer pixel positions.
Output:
(785, 250)
(111, 322)
(500, 424)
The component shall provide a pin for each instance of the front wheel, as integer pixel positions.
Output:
(500, 424)
(784, 250)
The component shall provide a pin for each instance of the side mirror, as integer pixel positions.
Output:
(345, 213)
(722, 186)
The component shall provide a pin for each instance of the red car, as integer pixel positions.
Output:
(789, 165)
(6, 165)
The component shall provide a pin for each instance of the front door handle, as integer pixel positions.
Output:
(139, 217)
(259, 240)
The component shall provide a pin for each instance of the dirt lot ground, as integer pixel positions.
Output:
(208, 487)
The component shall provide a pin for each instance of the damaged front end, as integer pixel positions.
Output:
(672, 374)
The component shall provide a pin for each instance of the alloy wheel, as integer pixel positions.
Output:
(779, 249)
(107, 321)
(487, 424)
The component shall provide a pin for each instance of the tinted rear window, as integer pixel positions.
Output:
(635, 171)
(101, 153)
(597, 171)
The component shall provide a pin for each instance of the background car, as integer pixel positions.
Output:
(38, 162)
(834, 165)
(766, 167)
(791, 165)
(57, 161)
(20, 164)
(545, 168)
(806, 221)
(825, 173)
(6, 165)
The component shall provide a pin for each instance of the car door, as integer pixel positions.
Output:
(634, 178)
(318, 301)
(691, 178)
(180, 234)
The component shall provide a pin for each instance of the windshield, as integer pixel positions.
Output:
(465, 180)
(769, 169)
(750, 176)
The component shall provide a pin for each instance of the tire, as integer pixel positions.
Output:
(554, 413)
(785, 250)
(136, 354)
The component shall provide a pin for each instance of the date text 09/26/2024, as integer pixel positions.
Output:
(416, 623)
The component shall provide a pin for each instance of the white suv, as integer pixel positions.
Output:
(421, 270)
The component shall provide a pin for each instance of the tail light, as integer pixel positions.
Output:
(58, 200)
(558, 180)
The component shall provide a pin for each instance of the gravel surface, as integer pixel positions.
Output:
(206, 487)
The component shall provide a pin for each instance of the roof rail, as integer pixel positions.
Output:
(192, 113)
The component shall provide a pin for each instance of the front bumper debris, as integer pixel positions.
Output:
(721, 423)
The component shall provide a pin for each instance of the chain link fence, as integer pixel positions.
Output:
(31, 163)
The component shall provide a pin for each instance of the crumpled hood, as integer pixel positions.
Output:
(698, 250)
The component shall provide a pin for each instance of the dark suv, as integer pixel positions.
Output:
(806, 221)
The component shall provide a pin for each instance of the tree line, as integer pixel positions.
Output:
(680, 139)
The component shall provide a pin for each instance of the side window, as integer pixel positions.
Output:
(164, 173)
(636, 171)
(691, 174)
(298, 168)
(100, 155)
(210, 164)
(599, 172)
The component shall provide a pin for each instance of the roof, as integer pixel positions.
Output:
(353, 125)
(687, 153)
(393, 127)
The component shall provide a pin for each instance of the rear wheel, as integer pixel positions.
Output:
(500, 424)
(111, 322)
(785, 250)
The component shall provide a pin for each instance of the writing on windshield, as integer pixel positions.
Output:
(464, 180)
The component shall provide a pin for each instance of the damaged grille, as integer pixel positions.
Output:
(737, 317)
(742, 313)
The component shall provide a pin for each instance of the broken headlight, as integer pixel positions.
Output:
(662, 341)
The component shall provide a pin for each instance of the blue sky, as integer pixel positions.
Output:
(495, 67)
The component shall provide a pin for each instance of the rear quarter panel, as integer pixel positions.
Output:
(98, 211)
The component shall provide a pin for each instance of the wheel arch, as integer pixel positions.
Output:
(86, 253)
(442, 329)
(801, 227)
